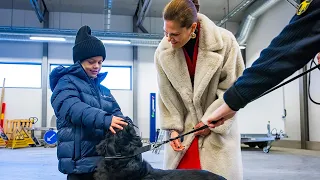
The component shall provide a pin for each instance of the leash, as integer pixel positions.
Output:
(157, 145)
(286, 82)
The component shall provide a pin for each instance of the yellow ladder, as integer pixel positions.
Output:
(2, 143)
(18, 141)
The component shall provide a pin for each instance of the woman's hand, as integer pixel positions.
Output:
(176, 144)
(318, 58)
(116, 123)
(205, 132)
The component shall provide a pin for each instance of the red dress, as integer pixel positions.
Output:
(191, 159)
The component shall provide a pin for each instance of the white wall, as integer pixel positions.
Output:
(155, 25)
(255, 116)
(314, 110)
(147, 83)
(18, 18)
(63, 20)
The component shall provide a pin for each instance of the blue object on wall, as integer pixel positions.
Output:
(153, 133)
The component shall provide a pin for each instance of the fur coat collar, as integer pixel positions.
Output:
(209, 60)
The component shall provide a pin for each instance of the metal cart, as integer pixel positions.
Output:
(263, 141)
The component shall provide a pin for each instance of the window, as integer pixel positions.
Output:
(118, 77)
(20, 75)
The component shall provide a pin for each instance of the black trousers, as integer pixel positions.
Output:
(87, 176)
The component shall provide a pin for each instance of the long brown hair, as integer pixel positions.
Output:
(182, 11)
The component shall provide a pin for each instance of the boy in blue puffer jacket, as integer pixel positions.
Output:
(84, 108)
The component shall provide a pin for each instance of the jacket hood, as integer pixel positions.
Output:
(75, 70)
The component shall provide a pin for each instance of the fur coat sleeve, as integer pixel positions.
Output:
(168, 101)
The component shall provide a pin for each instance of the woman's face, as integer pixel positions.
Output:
(176, 35)
(92, 66)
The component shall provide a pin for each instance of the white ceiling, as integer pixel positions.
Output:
(215, 9)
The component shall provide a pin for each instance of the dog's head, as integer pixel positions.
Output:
(123, 143)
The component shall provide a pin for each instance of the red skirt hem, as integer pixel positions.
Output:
(191, 159)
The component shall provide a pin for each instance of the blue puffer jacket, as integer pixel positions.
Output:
(84, 110)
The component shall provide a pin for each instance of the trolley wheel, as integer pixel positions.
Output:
(266, 149)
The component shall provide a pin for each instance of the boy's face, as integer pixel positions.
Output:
(92, 66)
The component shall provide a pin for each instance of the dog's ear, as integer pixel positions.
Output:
(135, 141)
(101, 148)
(129, 121)
(107, 147)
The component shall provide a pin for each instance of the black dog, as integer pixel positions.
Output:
(124, 143)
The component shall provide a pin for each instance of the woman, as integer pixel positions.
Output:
(196, 62)
(84, 108)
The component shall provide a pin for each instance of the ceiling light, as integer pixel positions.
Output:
(115, 42)
(47, 38)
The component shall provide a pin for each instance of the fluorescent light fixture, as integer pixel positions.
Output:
(47, 38)
(115, 42)
(242, 47)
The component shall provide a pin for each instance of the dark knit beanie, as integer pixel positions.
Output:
(87, 46)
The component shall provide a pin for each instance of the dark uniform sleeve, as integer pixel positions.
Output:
(293, 48)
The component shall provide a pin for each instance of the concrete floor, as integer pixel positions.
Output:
(280, 163)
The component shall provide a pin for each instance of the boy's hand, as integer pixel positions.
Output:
(116, 123)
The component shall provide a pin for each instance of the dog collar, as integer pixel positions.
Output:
(157, 144)
(136, 152)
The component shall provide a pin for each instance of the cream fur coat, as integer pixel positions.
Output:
(181, 107)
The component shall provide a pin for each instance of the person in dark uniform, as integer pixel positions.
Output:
(292, 49)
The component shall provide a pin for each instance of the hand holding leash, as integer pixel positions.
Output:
(204, 132)
(176, 143)
(223, 113)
